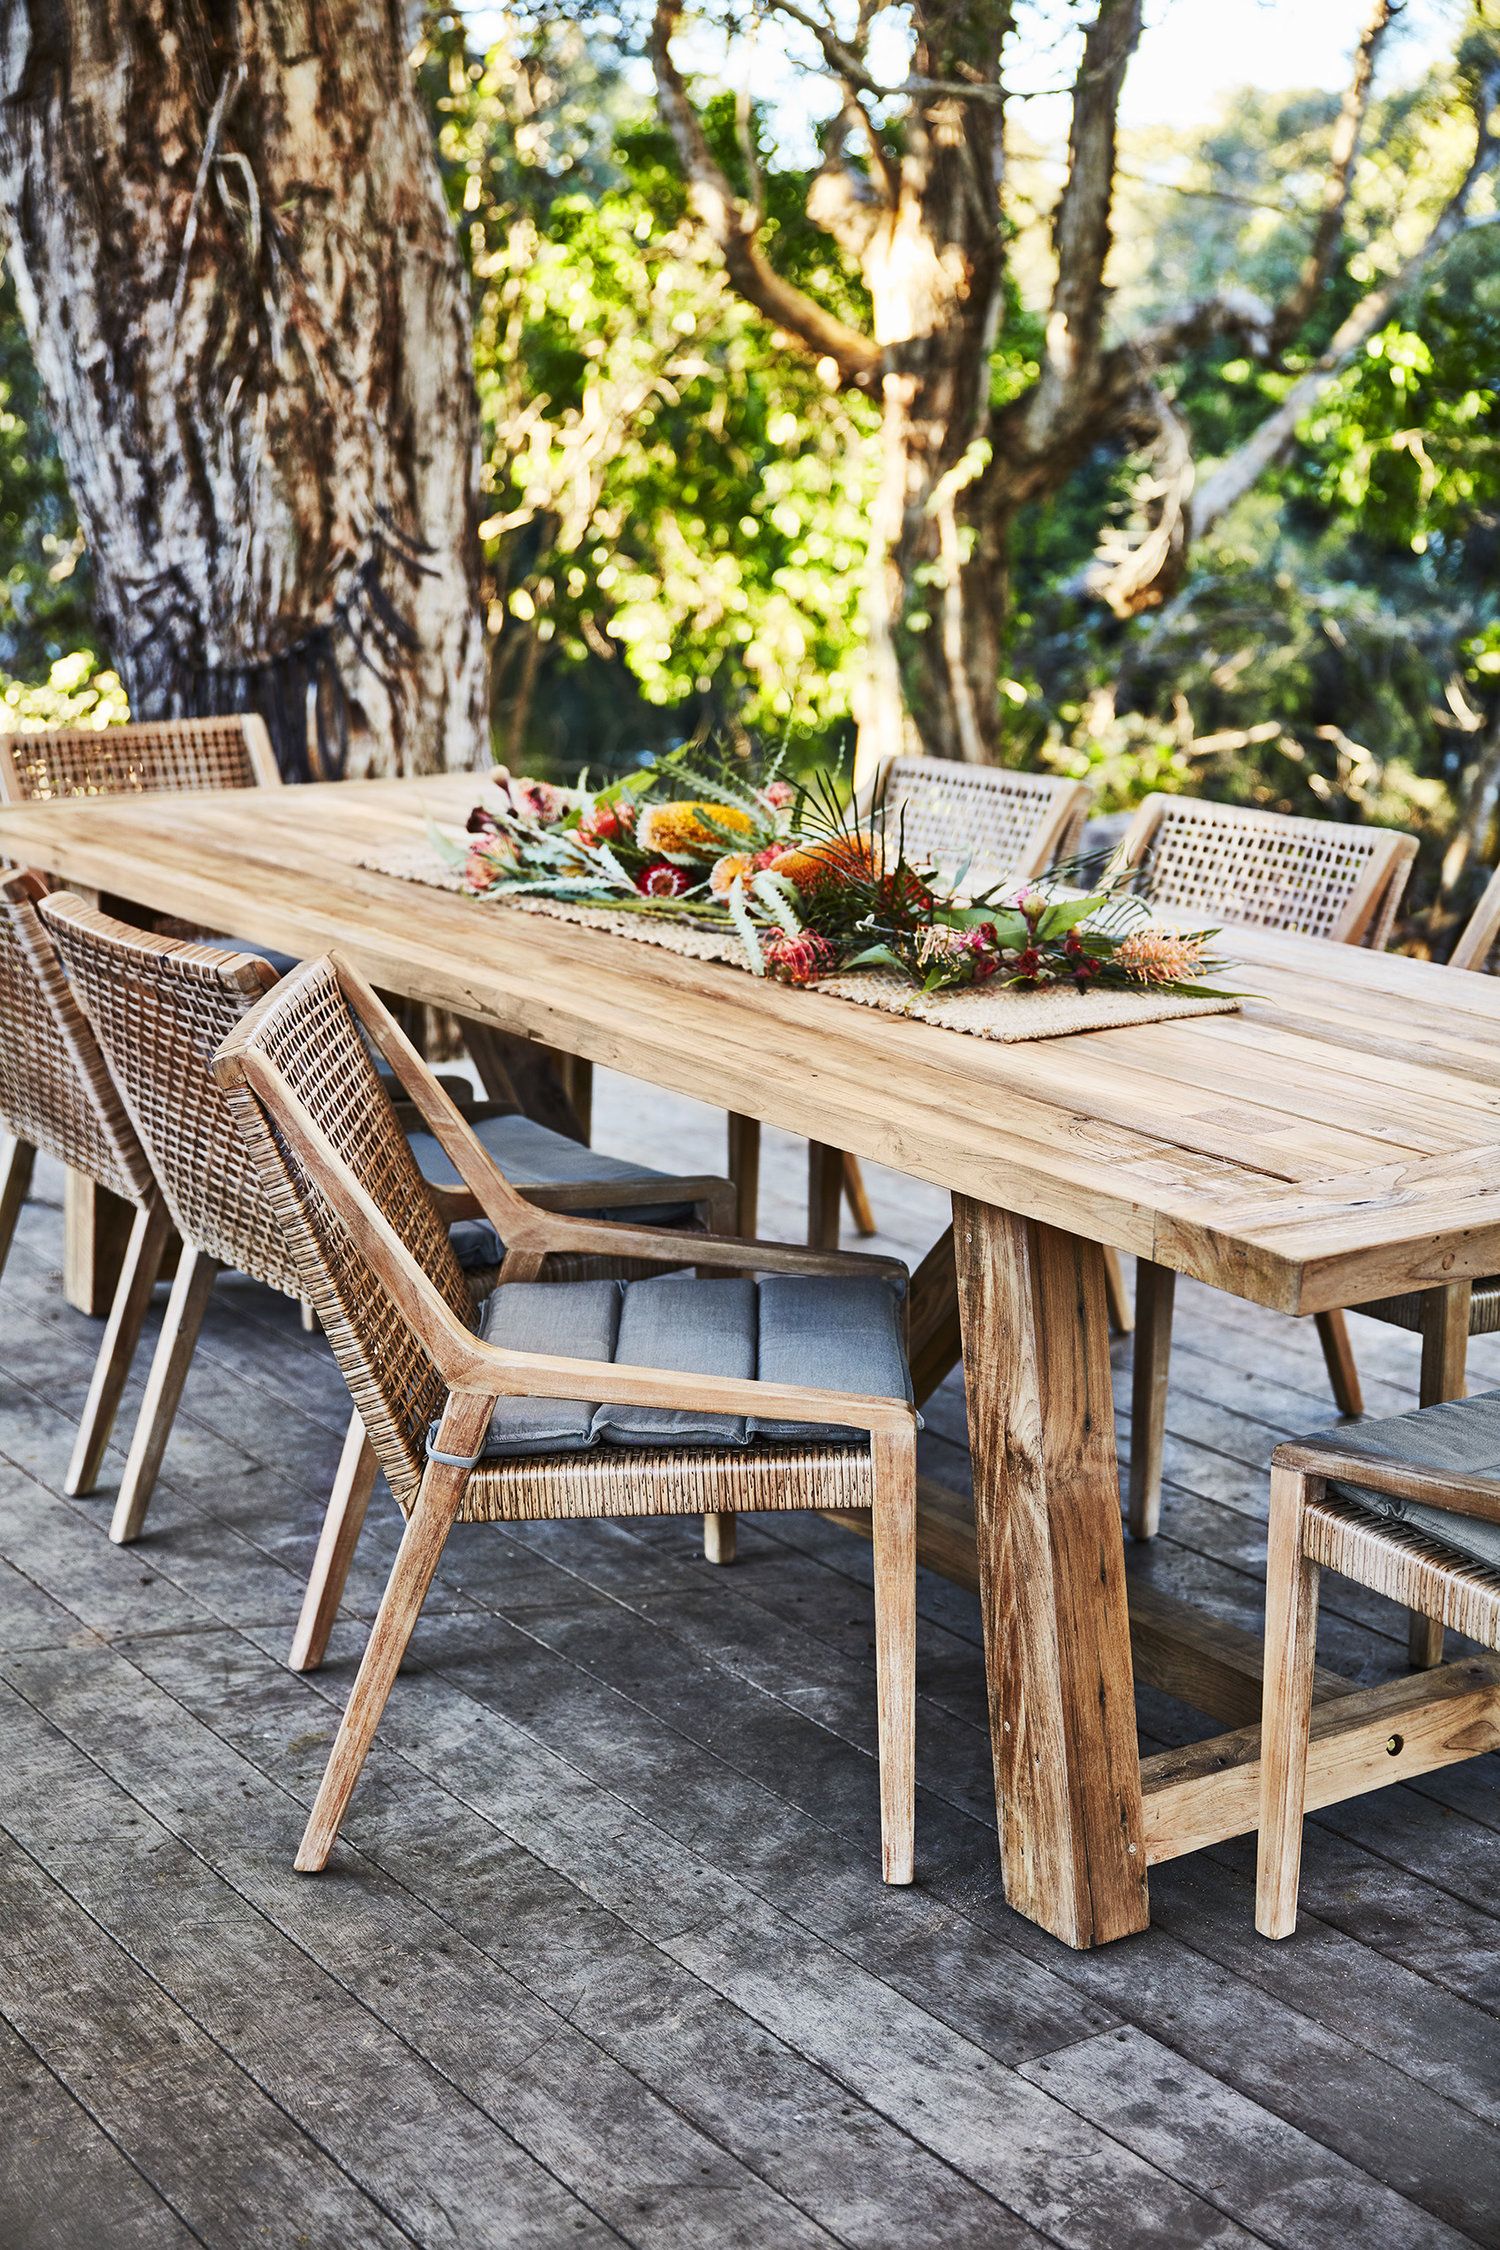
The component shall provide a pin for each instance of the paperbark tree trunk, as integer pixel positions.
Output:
(248, 308)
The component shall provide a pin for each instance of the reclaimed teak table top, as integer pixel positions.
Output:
(1337, 1140)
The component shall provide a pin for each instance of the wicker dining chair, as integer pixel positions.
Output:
(60, 762)
(983, 823)
(1445, 1318)
(160, 1008)
(56, 1095)
(664, 1396)
(1231, 863)
(1410, 1508)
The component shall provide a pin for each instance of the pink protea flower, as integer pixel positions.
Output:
(780, 793)
(1160, 957)
(801, 959)
(660, 879)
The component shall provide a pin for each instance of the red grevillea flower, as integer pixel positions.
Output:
(660, 879)
(801, 959)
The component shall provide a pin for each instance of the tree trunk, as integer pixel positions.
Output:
(934, 267)
(247, 306)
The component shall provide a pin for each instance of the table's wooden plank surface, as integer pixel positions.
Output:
(1339, 1138)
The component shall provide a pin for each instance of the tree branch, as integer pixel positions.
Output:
(1295, 310)
(1242, 469)
(857, 358)
(1081, 229)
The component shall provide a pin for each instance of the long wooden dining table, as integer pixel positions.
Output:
(1336, 1140)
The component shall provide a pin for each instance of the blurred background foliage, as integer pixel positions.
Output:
(674, 511)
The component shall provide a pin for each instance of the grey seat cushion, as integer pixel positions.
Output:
(832, 1332)
(530, 1156)
(280, 962)
(1462, 1436)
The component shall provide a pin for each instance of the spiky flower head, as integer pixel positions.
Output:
(801, 959)
(681, 826)
(724, 872)
(660, 879)
(1161, 957)
(810, 868)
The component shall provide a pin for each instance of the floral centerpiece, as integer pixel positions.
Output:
(809, 891)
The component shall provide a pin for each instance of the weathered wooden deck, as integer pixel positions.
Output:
(605, 1956)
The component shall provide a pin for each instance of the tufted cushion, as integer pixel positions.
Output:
(1463, 1436)
(839, 1334)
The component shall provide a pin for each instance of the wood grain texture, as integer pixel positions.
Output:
(1051, 1574)
(1338, 1139)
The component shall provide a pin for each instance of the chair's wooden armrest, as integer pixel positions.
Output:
(493, 1371)
(734, 1253)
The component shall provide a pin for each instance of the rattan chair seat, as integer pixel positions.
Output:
(1406, 1562)
(625, 1481)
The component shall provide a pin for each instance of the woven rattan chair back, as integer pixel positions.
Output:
(161, 1008)
(310, 1036)
(232, 753)
(56, 1092)
(996, 823)
(1232, 863)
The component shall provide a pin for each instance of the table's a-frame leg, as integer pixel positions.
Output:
(1052, 1574)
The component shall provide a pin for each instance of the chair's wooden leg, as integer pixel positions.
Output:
(437, 1503)
(143, 1256)
(719, 1535)
(1121, 1310)
(16, 1168)
(1338, 1357)
(894, 1529)
(342, 1524)
(194, 1280)
(1291, 1645)
(744, 1170)
(825, 1194)
(309, 1318)
(1155, 1287)
(1445, 1363)
(96, 1228)
(858, 1198)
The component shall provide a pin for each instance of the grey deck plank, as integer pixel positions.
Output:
(63, 2181)
(622, 1819)
(381, 2113)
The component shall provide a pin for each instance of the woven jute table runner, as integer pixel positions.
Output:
(984, 1011)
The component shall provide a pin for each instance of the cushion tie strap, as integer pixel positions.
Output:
(453, 1460)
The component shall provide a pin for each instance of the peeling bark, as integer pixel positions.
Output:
(249, 312)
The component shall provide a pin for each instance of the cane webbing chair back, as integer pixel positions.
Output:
(56, 1092)
(996, 823)
(311, 1039)
(1276, 871)
(161, 1008)
(135, 760)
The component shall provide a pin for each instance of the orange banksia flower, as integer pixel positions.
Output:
(1160, 957)
(680, 827)
(811, 867)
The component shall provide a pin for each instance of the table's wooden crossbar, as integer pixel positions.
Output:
(1361, 1738)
